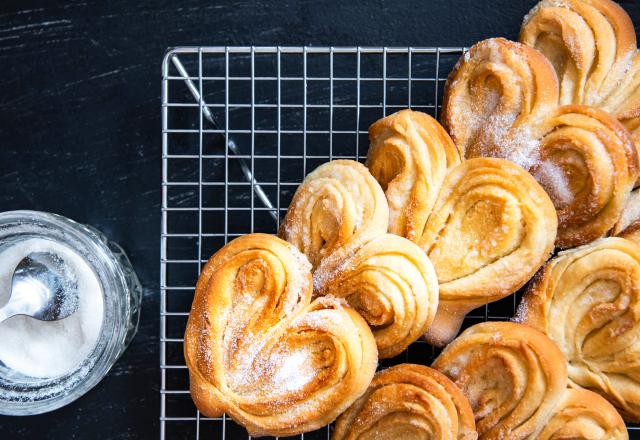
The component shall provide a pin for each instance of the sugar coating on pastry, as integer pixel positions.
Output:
(408, 401)
(338, 218)
(503, 101)
(410, 155)
(338, 207)
(592, 47)
(513, 376)
(586, 300)
(392, 284)
(259, 349)
(491, 229)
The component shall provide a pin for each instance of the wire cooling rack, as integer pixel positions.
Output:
(241, 127)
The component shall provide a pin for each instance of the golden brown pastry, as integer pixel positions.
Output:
(410, 154)
(592, 46)
(586, 301)
(393, 285)
(338, 218)
(588, 165)
(513, 376)
(496, 97)
(501, 101)
(582, 414)
(260, 350)
(589, 42)
(491, 229)
(628, 225)
(408, 401)
(337, 208)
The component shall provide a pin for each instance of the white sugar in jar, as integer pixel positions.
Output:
(46, 365)
(49, 349)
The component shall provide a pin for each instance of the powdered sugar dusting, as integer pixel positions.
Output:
(498, 138)
(554, 180)
(521, 314)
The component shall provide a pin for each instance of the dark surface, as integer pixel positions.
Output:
(80, 132)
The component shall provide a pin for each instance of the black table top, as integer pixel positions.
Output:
(80, 132)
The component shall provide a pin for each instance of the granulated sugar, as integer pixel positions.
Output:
(50, 349)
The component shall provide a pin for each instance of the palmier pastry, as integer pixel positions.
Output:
(260, 350)
(582, 414)
(338, 218)
(592, 46)
(513, 376)
(393, 285)
(492, 228)
(588, 165)
(410, 155)
(408, 401)
(501, 101)
(586, 300)
(338, 207)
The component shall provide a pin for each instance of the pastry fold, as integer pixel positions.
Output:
(582, 414)
(408, 401)
(338, 218)
(501, 100)
(588, 164)
(491, 229)
(338, 207)
(393, 285)
(513, 376)
(592, 47)
(586, 301)
(410, 155)
(260, 350)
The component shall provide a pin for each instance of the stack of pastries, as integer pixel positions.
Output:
(538, 153)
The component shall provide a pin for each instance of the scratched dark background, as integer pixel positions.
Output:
(80, 132)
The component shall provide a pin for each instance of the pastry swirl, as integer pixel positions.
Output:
(338, 218)
(586, 301)
(590, 44)
(338, 207)
(393, 285)
(408, 401)
(588, 165)
(582, 414)
(492, 228)
(260, 350)
(495, 98)
(585, 159)
(513, 376)
(410, 155)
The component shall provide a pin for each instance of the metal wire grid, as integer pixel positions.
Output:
(233, 157)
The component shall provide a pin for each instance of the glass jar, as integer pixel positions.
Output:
(122, 293)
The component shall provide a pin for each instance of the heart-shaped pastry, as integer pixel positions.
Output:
(501, 100)
(260, 350)
(491, 229)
